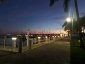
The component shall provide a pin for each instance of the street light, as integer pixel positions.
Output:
(46, 37)
(68, 19)
(39, 37)
(14, 41)
(14, 38)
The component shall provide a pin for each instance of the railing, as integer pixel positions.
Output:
(9, 45)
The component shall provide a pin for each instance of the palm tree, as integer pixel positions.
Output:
(82, 21)
(71, 29)
(1, 1)
(66, 6)
(67, 26)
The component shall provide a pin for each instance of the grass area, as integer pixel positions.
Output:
(77, 53)
(63, 39)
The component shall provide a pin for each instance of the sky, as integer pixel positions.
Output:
(35, 15)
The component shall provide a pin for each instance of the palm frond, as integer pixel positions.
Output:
(66, 5)
(52, 2)
(1, 1)
(65, 23)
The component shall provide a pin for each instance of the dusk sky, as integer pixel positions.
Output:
(36, 15)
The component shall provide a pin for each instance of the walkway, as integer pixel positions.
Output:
(52, 53)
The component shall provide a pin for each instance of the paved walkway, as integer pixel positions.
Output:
(52, 53)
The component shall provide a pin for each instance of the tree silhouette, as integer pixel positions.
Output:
(1, 1)
(66, 6)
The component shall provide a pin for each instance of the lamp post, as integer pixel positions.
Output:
(14, 41)
(70, 19)
(46, 39)
(39, 39)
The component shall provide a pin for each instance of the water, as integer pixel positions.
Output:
(9, 42)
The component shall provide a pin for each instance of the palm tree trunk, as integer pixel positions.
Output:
(76, 8)
(78, 19)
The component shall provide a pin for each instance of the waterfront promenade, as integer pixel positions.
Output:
(52, 53)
